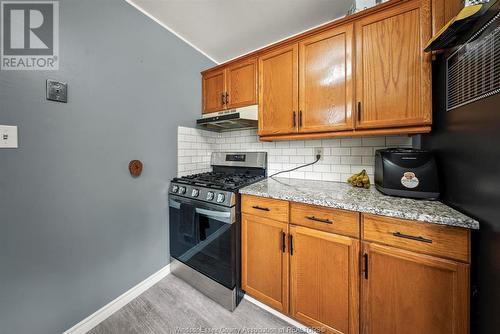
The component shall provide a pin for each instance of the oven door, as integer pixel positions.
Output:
(203, 236)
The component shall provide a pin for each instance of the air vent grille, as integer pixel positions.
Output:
(473, 71)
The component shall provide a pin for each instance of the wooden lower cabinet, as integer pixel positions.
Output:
(386, 276)
(264, 256)
(410, 293)
(324, 280)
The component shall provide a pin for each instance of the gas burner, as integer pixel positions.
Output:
(220, 180)
(231, 171)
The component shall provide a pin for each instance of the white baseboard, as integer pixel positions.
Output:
(106, 311)
(278, 314)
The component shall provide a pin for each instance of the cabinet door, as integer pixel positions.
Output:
(324, 280)
(241, 82)
(443, 11)
(393, 74)
(325, 81)
(265, 261)
(212, 91)
(278, 91)
(405, 292)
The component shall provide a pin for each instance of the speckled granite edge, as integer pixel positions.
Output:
(343, 196)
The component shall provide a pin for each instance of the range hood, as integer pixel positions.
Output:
(228, 120)
(463, 26)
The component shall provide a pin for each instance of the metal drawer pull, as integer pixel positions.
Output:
(411, 237)
(260, 208)
(326, 221)
(283, 242)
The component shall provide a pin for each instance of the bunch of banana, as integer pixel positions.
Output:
(360, 180)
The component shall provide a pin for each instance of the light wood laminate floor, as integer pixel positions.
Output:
(173, 306)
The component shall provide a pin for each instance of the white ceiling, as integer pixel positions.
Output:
(225, 29)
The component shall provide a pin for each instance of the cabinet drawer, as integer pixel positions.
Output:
(265, 207)
(444, 241)
(325, 219)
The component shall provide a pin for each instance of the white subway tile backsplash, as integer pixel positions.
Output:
(349, 142)
(341, 156)
(331, 142)
(298, 159)
(313, 143)
(297, 143)
(398, 141)
(321, 168)
(289, 151)
(373, 141)
(361, 151)
(330, 159)
(340, 151)
(305, 151)
(350, 160)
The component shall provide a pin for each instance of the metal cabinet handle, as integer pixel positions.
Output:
(411, 237)
(359, 111)
(222, 98)
(326, 221)
(294, 119)
(260, 208)
(290, 243)
(227, 98)
(300, 118)
(365, 256)
(283, 242)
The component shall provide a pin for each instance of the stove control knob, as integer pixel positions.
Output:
(195, 192)
(182, 190)
(175, 188)
(220, 198)
(210, 196)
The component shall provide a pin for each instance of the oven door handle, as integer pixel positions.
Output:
(215, 214)
(174, 204)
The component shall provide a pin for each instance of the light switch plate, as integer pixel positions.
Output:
(57, 91)
(8, 136)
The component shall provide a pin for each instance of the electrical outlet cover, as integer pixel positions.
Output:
(57, 91)
(8, 136)
(318, 151)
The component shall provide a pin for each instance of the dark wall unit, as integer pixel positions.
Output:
(467, 143)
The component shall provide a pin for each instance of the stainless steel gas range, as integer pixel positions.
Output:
(204, 212)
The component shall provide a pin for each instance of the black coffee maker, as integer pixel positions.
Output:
(406, 172)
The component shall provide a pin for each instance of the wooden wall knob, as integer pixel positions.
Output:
(135, 168)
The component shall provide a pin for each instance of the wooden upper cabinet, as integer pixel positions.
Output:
(443, 11)
(241, 82)
(278, 91)
(409, 293)
(324, 280)
(213, 90)
(393, 74)
(264, 273)
(232, 86)
(325, 81)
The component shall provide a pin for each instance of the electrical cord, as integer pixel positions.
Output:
(318, 156)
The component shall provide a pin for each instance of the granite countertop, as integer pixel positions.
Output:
(343, 196)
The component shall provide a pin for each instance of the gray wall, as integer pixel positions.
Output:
(76, 230)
